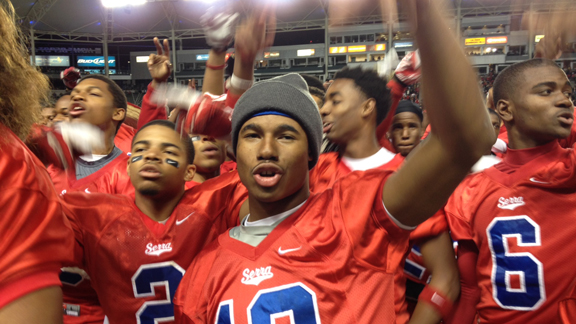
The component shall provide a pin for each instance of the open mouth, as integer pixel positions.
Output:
(267, 175)
(76, 109)
(327, 127)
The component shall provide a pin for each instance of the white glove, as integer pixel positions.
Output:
(82, 137)
(219, 26)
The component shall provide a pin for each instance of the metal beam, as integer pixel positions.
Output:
(38, 10)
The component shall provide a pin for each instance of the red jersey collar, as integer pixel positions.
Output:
(523, 156)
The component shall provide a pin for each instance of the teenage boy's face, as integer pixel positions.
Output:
(210, 153)
(405, 132)
(341, 112)
(272, 156)
(93, 103)
(541, 107)
(158, 165)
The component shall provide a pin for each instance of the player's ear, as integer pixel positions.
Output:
(368, 107)
(505, 108)
(128, 167)
(119, 114)
(190, 172)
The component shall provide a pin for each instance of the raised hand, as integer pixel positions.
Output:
(255, 33)
(219, 24)
(159, 64)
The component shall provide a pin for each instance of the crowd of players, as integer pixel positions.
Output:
(288, 200)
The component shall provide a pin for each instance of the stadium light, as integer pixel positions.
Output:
(121, 3)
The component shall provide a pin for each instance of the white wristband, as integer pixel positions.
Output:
(240, 84)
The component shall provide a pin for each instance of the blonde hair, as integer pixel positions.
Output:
(22, 87)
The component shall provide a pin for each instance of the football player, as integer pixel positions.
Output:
(332, 257)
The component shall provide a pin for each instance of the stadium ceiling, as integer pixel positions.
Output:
(89, 21)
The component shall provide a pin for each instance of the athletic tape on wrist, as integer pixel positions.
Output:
(240, 84)
(437, 300)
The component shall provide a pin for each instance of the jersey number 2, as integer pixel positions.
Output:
(295, 301)
(529, 294)
(166, 274)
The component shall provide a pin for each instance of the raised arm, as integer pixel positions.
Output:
(462, 129)
(160, 68)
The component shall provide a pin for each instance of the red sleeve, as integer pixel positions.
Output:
(123, 139)
(33, 282)
(567, 308)
(465, 307)
(430, 228)
(150, 111)
(397, 90)
(231, 99)
(35, 236)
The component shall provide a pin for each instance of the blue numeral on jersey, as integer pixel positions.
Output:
(166, 274)
(528, 293)
(295, 301)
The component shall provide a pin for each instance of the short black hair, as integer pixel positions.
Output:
(190, 153)
(372, 85)
(119, 98)
(317, 93)
(493, 112)
(507, 81)
(312, 81)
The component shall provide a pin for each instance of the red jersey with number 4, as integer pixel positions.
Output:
(35, 238)
(520, 215)
(135, 264)
(332, 261)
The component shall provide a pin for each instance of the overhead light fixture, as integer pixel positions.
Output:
(121, 3)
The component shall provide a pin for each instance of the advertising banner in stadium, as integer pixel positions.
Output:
(69, 50)
(403, 44)
(497, 40)
(52, 60)
(202, 57)
(95, 61)
(475, 41)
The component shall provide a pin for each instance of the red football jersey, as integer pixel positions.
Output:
(568, 306)
(135, 264)
(111, 179)
(518, 213)
(331, 168)
(123, 139)
(35, 236)
(332, 261)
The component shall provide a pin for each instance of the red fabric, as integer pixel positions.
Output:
(427, 131)
(22, 287)
(397, 90)
(150, 111)
(227, 166)
(115, 241)
(35, 236)
(567, 307)
(112, 179)
(346, 251)
(465, 306)
(123, 139)
(330, 169)
(535, 186)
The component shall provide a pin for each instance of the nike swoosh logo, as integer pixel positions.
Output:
(537, 181)
(178, 222)
(282, 252)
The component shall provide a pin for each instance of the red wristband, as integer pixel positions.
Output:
(216, 67)
(437, 300)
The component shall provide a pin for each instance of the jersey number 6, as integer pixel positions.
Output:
(530, 293)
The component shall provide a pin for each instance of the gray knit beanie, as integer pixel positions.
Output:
(287, 94)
